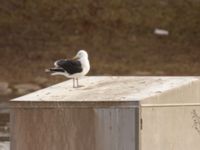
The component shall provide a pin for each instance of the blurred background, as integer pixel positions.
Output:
(122, 37)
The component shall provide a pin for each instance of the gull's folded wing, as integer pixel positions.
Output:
(71, 66)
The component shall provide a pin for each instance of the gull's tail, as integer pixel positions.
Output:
(57, 71)
(53, 70)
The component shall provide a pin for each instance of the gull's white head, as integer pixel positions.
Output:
(81, 54)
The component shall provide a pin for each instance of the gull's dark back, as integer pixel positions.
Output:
(70, 66)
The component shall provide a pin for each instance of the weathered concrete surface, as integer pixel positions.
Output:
(117, 89)
(170, 128)
(4, 145)
(74, 129)
(110, 113)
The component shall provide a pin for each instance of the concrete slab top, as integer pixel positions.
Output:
(109, 88)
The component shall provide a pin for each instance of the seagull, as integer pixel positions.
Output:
(75, 68)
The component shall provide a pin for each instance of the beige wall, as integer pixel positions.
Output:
(184, 94)
(171, 128)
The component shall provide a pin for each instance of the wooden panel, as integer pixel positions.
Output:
(171, 128)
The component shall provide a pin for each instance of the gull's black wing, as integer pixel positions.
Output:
(70, 66)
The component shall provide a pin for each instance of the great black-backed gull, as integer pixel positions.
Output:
(75, 68)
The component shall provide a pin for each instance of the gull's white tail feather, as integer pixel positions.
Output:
(60, 73)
